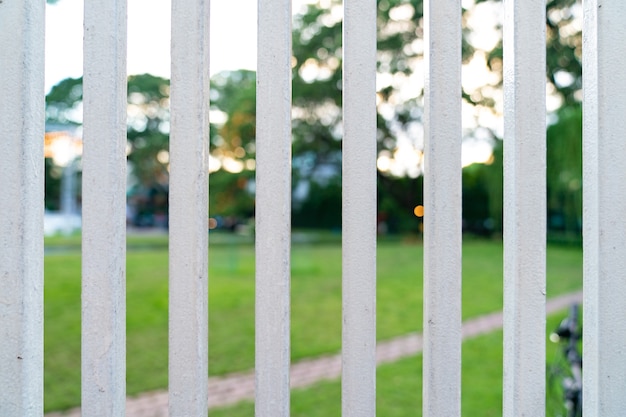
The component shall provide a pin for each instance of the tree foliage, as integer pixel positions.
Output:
(64, 102)
(233, 98)
(317, 119)
(148, 126)
(564, 171)
(317, 46)
(147, 115)
(148, 121)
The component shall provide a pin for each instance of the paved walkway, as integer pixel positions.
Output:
(232, 388)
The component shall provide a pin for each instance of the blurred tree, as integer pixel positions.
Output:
(64, 102)
(565, 171)
(148, 124)
(232, 194)
(147, 134)
(63, 112)
(321, 207)
(317, 46)
(53, 175)
(233, 119)
(397, 199)
(148, 121)
(476, 200)
(317, 127)
(492, 175)
(148, 128)
(233, 93)
(564, 50)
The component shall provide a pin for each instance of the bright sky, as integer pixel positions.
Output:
(233, 37)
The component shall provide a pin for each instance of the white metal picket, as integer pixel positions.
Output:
(442, 209)
(604, 198)
(21, 207)
(359, 210)
(273, 209)
(103, 365)
(524, 208)
(189, 170)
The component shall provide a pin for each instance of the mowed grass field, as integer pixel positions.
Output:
(316, 314)
(399, 386)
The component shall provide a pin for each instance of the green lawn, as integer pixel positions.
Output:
(399, 386)
(316, 306)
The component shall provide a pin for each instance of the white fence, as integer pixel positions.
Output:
(103, 320)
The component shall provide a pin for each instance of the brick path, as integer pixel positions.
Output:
(232, 388)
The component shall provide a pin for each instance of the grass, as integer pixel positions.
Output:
(399, 386)
(316, 305)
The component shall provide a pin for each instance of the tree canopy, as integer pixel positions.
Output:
(317, 49)
(317, 75)
(317, 119)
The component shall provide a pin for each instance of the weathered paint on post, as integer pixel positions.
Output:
(359, 210)
(442, 209)
(604, 201)
(189, 170)
(21, 207)
(524, 208)
(273, 208)
(103, 366)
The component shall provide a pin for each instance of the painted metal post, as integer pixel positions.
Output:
(359, 210)
(104, 210)
(273, 208)
(442, 205)
(21, 207)
(604, 176)
(189, 187)
(524, 208)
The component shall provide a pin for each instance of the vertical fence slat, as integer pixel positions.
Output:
(359, 209)
(273, 208)
(104, 210)
(442, 204)
(524, 208)
(188, 288)
(604, 60)
(21, 207)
